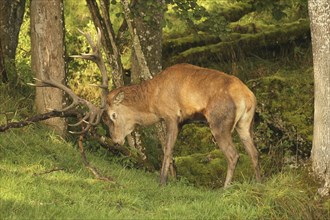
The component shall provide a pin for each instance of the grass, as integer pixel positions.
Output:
(29, 190)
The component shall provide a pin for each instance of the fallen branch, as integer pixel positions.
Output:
(106, 143)
(48, 171)
(95, 172)
(37, 118)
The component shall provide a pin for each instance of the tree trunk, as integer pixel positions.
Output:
(139, 61)
(146, 31)
(3, 72)
(48, 52)
(149, 32)
(320, 29)
(11, 18)
(109, 43)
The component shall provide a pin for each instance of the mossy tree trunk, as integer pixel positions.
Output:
(320, 29)
(48, 52)
(11, 18)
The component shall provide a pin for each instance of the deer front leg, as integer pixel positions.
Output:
(171, 135)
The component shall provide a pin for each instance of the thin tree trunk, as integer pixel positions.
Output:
(320, 29)
(48, 51)
(108, 38)
(136, 36)
(3, 72)
(147, 48)
(11, 18)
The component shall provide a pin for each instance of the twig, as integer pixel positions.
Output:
(48, 171)
(114, 148)
(88, 166)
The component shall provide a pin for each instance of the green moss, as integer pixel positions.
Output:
(285, 111)
(177, 45)
(194, 138)
(247, 42)
(209, 169)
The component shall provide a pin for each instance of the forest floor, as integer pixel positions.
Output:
(42, 177)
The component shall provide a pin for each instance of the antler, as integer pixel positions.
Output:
(96, 57)
(93, 116)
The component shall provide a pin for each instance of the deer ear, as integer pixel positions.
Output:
(119, 98)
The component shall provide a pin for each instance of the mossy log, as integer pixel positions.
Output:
(177, 45)
(231, 14)
(241, 44)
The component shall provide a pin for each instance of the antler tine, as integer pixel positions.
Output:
(92, 122)
(93, 116)
(83, 120)
(89, 38)
(82, 131)
(99, 37)
(98, 117)
(95, 45)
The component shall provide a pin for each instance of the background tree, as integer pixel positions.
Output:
(320, 29)
(147, 17)
(100, 14)
(11, 18)
(145, 24)
(48, 52)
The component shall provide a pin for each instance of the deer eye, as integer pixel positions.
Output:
(113, 116)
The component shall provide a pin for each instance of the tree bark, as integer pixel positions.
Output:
(109, 43)
(48, 52)
(144, 23)
(11, 18)
(140, 63)
(3, 72)
(320, 30)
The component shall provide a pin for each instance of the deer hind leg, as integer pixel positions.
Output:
(245, 132)
(171, 133)
(221, 130)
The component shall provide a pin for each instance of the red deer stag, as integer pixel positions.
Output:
(178, 94)
(185, 92)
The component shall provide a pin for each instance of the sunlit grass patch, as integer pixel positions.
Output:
(29, 191)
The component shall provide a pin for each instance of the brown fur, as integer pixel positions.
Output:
(183, 92)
